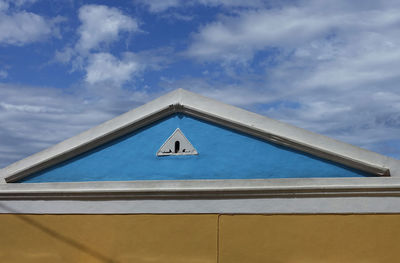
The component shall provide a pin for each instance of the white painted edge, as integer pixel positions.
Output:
(291, 206)
(202, 107)
(272, 196)
(205, 189)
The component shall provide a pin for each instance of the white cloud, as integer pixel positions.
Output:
(19, 27)
(157, 6)
(239, 37)
(101, 25)
(104, 67)
(23, 27)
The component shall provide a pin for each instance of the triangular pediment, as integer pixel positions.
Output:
(222, 154)
(155, 129)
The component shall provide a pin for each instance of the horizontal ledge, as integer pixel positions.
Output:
(211, 189)
(192, 195)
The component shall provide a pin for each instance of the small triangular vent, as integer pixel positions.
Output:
(177, 144)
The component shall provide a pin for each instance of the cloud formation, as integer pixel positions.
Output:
(157, 6)
(104, 67)
(101, 25)
(240, 36)
(20, 27)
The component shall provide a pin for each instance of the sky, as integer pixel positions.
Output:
(332, 66)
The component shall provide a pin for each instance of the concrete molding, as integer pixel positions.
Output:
(214, 111)
(322, 205)
(272, 196)
(205, 189)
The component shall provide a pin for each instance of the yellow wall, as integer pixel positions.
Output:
(307, 238)
(200, 238)
(108, 238)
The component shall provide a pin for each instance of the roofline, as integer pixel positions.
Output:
(182, 101)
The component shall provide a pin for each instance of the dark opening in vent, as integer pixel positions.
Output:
(177, 145)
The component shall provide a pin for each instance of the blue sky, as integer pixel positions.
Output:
(331, 66)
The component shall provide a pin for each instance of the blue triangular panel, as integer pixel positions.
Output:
(222, 154)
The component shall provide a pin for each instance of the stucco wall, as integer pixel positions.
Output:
(199, 238)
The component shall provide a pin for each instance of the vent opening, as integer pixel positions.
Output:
(177, 144)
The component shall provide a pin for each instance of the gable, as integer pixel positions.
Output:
(222, 154)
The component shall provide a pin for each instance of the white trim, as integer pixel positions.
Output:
(274, 196)
(206, 189)
(340, 205)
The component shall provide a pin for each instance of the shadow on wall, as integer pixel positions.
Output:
(60, 237)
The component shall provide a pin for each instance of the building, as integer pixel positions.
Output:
(188, 179)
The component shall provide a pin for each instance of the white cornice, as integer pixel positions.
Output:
(205, 189)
